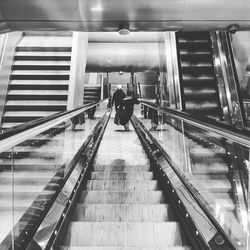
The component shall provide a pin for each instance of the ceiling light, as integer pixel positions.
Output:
(124, 30)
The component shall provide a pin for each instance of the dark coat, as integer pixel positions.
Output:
(118, 97)
(128, 105)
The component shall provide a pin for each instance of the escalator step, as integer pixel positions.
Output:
(121, 185)
(112, 234)
(121, 176)
(119, 197)
(123, 212)
(193, 35)
(127, 168)
(198, 77)
(208, 70)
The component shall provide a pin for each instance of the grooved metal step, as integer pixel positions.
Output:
(121, 176)
(123, 212)
(121, 185)
(126, 234)
(121, 197)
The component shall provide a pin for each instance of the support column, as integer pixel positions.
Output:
(77, 69)
(173, 80)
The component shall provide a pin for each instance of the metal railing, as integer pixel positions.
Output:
(20, 133)
(239, 136)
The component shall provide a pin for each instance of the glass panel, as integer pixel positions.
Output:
(241, 52)
(7, 215)
(38, 167)
(216, 167)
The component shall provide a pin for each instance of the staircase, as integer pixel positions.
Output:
(38, 84)
(122, 206)
(197, 77)
(91, 93)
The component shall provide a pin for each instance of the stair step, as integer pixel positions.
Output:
(119, 197)
(20, 182)
(121, 185)
(121, 212)
(30, 167)
(43, 105)
(121, 176)
(43, 48)
(43, 40)
(22, 174)
(40, 67)
(40, 72)
(39, 82)
(37, 92)
(41, 63)
(119, 234)
(28, 114)
(31, 160)
(43, 54)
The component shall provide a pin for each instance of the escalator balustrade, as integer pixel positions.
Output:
(197, 77)
(25, 173)
(207, 164)
(122, 205)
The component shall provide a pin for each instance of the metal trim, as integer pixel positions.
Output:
(241, 137)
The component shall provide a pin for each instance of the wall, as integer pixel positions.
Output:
(8, 45)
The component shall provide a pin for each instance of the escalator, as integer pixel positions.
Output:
(116, 191)
(122, 204)
(197, 76)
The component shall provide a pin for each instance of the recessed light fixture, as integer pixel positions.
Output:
(124, 29)
(97, 8)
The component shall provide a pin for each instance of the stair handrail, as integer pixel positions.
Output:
(240, 136)
(23, 132)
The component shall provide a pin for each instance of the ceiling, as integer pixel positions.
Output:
(110, 15)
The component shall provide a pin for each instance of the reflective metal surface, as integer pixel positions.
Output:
(128, 57)
(31, 175)
(215, 166)
(110, 15)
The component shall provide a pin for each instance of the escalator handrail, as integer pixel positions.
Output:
(25, 238)
(191, 190)
(23, 132)
(239, 136)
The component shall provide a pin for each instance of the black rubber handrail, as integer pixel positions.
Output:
(240, 136)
